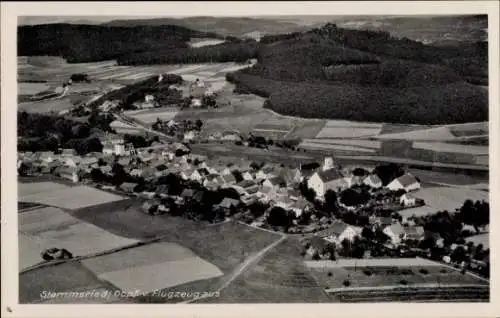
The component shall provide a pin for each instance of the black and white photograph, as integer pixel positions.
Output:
(252, 159)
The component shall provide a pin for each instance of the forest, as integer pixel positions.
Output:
(91, 43)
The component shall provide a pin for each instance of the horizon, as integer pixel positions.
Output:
(305, 19)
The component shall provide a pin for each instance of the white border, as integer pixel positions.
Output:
(9, 13)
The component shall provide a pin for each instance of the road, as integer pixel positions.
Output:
(242, 267)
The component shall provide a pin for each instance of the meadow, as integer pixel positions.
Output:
(151, 267)
(49, 227)
(65, 197)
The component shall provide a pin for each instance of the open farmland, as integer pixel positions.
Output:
(483, 239)
(67, 198)
(451, 148)
(331, 277)
(279, 277)
(51, 227)
(65, 277)
(151, 267)
(124, 128)
(449, 198)
(347, 129)
(334, 148)
(150, 116)
(31, 88)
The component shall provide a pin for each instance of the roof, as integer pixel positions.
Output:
(397, 229)
(317, 243)
(187, 193)
(128, 185)
(68, 170)
(373, 178)
(228, 202)
(228, 178)
(329, 175)
(415, 230)
(246, 183)
(337, 228)
(252, 190)
(277, 180)
(407, 179)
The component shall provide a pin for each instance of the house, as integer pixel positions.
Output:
(352, 180)
(68, 152)
(328, 164)
(73, 161)
(395, 232)
(299, 207)
(382, 221)
(150, 206)
(189, 136)
(128, 187)
(407, 200)
(136, 172)
(227, 204)
(275, 182)
(291, 176)
(266, 172)
(338, 232)
(267, 194)
(196, 103)
(317, 245)
(324, 180)
(406, 182)
(227, 179)
(230, 136)
(246, 187)
(246, 175)
(416, 233)
(284, 202)
(47, 156)
(373, 181)
(196, 176)
(89, 162)
(70, 173)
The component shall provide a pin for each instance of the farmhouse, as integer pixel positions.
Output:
(291, 176)
(395, 232)
(324, 180)
(247, 187)
(373, 181)
(406, 182)
(407, 200)
(69, 173)
(338, 232)
(128, 187)
(275, 182)
(414, 233)
(299, 207)
(226, 205)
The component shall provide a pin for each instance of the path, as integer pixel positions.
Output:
(242, 267)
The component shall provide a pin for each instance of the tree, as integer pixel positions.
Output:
(459, 255)
(257, 209)
(279, 217)
(331, 201)
(388, 172)
(359, 172)
(367, 233)
(352, 197)
(198, 124)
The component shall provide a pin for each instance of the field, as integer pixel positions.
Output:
(480, 239)
(451, 148)
(151, 267)
(389, 275)
(449, 198)
(65, 277)
(150, 116)
(50, 227)
(31, 88)
(280, 276)
(124, 128)
(347, 129)
(195, 42)
(63, 196)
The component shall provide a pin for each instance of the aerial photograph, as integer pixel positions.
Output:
(257, 159)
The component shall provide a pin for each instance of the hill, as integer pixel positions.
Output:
(226, 26)
(363, 75)
(89, 43)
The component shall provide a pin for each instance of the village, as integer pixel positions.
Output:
(337, 211)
